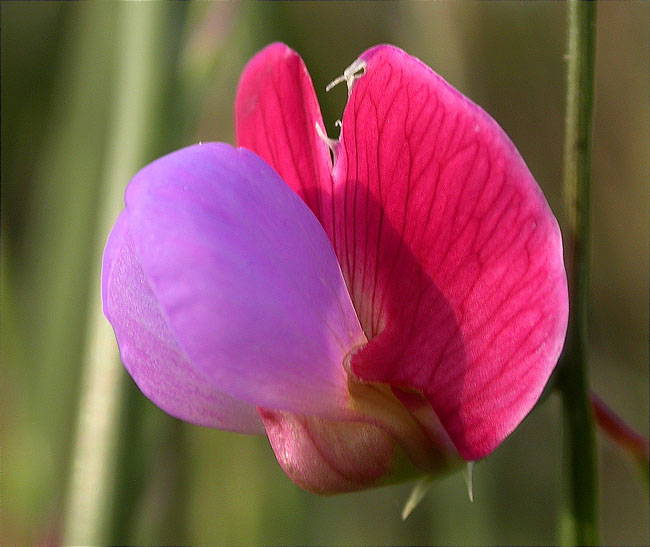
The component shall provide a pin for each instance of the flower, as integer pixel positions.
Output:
(397, 292)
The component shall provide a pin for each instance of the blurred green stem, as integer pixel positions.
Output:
(579, 524)
(137, 85)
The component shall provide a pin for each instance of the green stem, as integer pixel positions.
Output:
(138, 84)
(580, 485)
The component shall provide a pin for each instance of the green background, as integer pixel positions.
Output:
(175, 483)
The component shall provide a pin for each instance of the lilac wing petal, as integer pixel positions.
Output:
(246, 278)
(150, 351)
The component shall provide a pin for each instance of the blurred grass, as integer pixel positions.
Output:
(181, 484)
(142, 72)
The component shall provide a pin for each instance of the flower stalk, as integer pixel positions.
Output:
(579, 525)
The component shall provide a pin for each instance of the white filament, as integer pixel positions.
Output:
(331, 143)
(350, 74)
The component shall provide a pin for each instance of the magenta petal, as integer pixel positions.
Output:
(150, 351)
(245, 277)
(452, 255)
(276, 113)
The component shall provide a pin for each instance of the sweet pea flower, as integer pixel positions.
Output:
(395, 295)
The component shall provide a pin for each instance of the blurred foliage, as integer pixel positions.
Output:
(177, 483)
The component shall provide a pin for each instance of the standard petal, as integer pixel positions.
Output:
(245, 277)
(276, 113)
(150, 351)
(451, 253)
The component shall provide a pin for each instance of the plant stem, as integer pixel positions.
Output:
(138, 83)
(579, 524)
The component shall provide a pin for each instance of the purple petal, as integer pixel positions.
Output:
(245, 277)
(150, 351)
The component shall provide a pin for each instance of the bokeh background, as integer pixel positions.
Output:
(93, 91)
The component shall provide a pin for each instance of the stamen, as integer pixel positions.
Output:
(332, 144)
(334, 82)
(350, 74)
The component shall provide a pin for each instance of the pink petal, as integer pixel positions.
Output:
(276, 112)
(245, 277)
(151, 353)
(451, 253)
(326, 457)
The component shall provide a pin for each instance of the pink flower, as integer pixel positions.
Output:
(416, 305)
